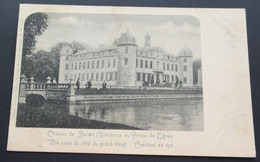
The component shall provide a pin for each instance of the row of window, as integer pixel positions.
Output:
(92, 64)
(144, 64)
(167, 66)
(139, 64)
(149, 64)
(93, 76)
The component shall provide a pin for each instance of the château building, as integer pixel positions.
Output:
(125, 64)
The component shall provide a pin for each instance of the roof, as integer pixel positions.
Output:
(91, 50)
(185, 51)
(126, 39)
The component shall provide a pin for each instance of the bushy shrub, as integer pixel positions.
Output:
(35, 100)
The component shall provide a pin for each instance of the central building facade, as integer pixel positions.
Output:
(124, 64)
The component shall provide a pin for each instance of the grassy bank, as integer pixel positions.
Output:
(59, 118)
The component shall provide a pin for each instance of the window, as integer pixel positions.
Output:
(87, 77)
(76, 66)
(71, 76)
(72, 66)
(126, 49)
(115, 75)
(163, 66)
(102, 65)
(136, 62)
(102, 76)
(93, 62)
(79, 65)
(66, 77)
(92, 76)
(74, 76)
(84, 65)
(172, 68)
(138, 77)
(144, 76)
(176, 67)
(97, 64)
(184, 59)
(146, 64)
(168, 66)
(172, 78)
(126, 61)
(96, 76)
(141, 64)
(88, 65)
(184, 80)
(107, 78)
(67, 66)
(108, 64)
(114, 62)
(185, 68)
(67, 58)
(79, 76)
(151, 64)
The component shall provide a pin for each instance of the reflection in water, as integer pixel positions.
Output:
(182, 115)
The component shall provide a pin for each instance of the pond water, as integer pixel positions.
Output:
(160, 114)
(157, 114)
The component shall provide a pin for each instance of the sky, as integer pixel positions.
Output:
(169, 32)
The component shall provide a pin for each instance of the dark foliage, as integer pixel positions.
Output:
(42, 64)
(196, 66)
(35, 100)
(35, 25)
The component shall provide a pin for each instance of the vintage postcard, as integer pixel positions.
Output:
(132, 80)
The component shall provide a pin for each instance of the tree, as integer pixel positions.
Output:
(196, 66)
(44, 65)
(35, 25)
(76, 46)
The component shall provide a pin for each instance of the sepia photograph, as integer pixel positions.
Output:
(111, 71)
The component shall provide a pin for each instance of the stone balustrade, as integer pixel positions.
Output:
(47, 89)
(31, 85)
